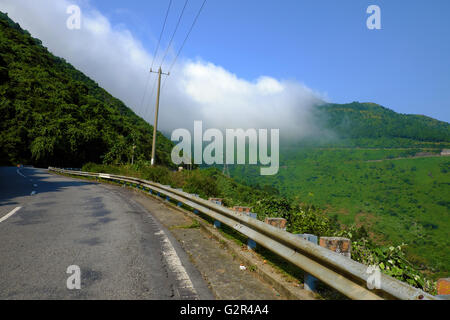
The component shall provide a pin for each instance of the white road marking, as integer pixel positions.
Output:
(174, 263)
(18, 172)
(33, 192)
(10, 214)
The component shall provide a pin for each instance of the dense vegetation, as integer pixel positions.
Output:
(52, 114)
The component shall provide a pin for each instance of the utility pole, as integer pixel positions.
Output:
(155, 125)
(225, 170)
(132, 155)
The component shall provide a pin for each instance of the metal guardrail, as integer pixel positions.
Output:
(341, 273)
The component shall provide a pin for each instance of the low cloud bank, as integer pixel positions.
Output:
(196, 89)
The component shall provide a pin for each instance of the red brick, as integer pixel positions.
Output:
(337, 244)
(443, 286)
(276, 222)
(241, 209)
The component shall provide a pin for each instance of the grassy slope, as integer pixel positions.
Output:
(403, 200)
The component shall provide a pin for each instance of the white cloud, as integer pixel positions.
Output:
(196, 90)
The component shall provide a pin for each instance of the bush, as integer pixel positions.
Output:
(273, 207)
(202, 185)
(391, 261)
(156, 174)
(308, 220)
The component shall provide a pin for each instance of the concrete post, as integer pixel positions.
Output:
(251, 244)
(310, 283)
(276, 222)
(443, 286)
(340, 245)
(241, 209)
(219, 202)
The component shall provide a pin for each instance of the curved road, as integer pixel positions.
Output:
(48, 223)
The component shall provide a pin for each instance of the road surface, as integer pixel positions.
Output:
(49, 223)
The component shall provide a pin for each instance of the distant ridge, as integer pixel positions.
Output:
(374, 124)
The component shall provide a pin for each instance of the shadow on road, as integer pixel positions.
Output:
(16, 184)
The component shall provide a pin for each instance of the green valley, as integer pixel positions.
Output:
(382, 170)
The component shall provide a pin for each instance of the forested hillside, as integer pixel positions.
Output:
(52, 114)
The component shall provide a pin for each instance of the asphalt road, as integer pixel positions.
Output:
(122, 251)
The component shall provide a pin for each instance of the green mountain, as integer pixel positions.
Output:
(52, 114)
(380, 169)
(372, 124)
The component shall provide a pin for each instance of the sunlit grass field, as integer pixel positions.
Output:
(399, 200)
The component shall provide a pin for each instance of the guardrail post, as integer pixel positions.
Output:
(310, 283)
(242, 209)
(340, 245)
(276, 222)
(251, 244)
(219, 202)
(443, 288)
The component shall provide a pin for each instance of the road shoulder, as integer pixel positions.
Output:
(219, 259)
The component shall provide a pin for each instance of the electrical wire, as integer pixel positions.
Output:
(185, 39)
(174, 32)
(154, 55)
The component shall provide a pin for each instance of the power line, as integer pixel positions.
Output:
(187, 36)
(160, 35)
(153, 159)
(154, 56)
(174, 32)
(185, 39)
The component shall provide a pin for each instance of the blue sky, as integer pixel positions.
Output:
(324, 44)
